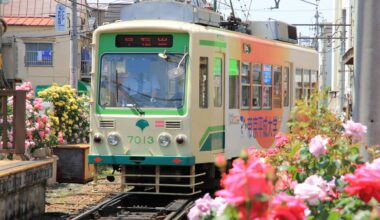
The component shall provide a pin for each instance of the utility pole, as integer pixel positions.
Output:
(342, 65)
(74, 46)
(366, 103)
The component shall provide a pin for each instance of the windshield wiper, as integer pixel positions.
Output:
(133, 104)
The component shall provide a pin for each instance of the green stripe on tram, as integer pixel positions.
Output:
(213, 135)
(212, 43)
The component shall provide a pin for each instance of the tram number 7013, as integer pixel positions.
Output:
(140, 139)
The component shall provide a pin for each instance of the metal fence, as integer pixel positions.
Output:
(14, 128)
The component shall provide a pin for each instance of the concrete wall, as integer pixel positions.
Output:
(22, 194)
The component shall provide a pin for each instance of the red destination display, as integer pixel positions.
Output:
(144, 41)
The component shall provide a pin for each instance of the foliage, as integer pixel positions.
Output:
(70, 113)
(314, 172)
(38, 124)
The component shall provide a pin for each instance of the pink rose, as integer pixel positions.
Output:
(287, 207)
(280, 140)
(41, 134)
(205, 206)
(313, 189)
(318, 145)
(355, 130)
(246, 181)
(365, 181)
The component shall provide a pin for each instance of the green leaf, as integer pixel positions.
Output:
(334, 215)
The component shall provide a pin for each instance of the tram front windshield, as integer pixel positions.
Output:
(142, 80)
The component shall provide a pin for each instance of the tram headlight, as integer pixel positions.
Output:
(164, 139)
(113, 139)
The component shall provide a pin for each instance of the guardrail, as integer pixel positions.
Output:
(15, 127)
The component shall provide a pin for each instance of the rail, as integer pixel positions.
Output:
(14, 128)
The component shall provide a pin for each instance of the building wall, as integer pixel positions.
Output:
(59, 72)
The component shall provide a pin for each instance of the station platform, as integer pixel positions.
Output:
(22, 188)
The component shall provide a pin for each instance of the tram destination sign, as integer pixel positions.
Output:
(144, 41)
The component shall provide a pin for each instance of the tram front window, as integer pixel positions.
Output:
(142, 80)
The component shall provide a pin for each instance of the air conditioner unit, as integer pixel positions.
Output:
(274, 30)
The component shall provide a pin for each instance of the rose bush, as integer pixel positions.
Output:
(38, 125)
(313, 172)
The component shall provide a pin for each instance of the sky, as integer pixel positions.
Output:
(289, 11)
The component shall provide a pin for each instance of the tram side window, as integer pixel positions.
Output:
(277, 83)
(267, 90)
(234, 83)
(256, 93)
(203, 82)
(286, 86)
(217, 82)
(314, 80)
(245, 85)
(306, 83)
(299, 85)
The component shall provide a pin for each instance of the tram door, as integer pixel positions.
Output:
(217, 101)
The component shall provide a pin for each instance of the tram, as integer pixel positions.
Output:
(169, 94)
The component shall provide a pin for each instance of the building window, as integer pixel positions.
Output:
(38, 54)
(314, 81)
(286, 86)
(256, 93)
(217, 82)
(277, 87)
(306, 83)
(234, 84)
(245, 85)
(267, 90)
(203, 82)
(299, 85)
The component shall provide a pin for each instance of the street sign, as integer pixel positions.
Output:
(60, 18)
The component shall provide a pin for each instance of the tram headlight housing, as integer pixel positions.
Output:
(164, 139)
(113, 138)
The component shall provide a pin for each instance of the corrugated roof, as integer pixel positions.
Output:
(29, 21)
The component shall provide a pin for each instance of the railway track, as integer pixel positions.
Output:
(140, 207)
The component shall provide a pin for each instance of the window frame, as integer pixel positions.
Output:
(31, 53)
(286, 86)
(203, 84)
(245, 84)
(258, 84)
(218, 100)
(267, 85)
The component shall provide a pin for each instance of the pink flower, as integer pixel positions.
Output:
(247, 181)
(37, 104)
(284, 181)
(60, 138)
(313, 189)
(355, 130)
(286, 207)
(205, 206)
(318, 145)
(365, 182)
(220, 160)
(41, 134)
(280, 140)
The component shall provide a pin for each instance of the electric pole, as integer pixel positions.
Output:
(74, 46)
(342, 65)
(367, 73)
